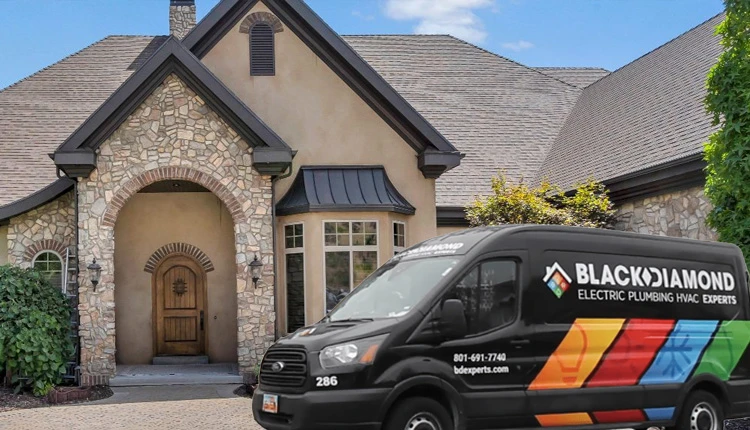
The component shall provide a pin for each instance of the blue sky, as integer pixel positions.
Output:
(601, 33)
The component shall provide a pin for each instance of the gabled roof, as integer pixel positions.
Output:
(580, 77)
(501, 114)
(343, 188)
(76, 155)
(645, 118)
(436, 153)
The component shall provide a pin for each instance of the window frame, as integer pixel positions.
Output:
(348, 248)
(272, 72)
(295, 250)
(63, 275)
(519, 263)
(398, 249)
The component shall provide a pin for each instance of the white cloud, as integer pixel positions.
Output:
(454, 17)
(518, 46)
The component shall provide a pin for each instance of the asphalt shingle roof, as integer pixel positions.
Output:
(580, 77)
(501, 114)
(647, 113)
(39, 112)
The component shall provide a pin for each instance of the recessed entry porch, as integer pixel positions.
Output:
(176, 374)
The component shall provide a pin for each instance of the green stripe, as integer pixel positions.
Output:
(725, 350)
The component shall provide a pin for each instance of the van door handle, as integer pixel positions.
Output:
(520, 342)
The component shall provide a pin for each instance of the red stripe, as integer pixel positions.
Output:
(627, 416)
(631, 353)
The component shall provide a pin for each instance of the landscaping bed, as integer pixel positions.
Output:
(59, 396)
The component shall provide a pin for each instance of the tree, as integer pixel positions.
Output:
(588, 206)
(727, 151)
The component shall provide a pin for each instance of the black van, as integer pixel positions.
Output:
(524, 327)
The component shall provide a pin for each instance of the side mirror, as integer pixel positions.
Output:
(452, 319)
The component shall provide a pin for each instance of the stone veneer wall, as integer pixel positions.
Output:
(48, 227)
(678, 214)
(181, 19)
(174, 135)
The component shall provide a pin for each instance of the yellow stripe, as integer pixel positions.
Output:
(578, 354)
(560, 420)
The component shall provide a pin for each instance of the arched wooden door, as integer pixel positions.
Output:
(179, 292)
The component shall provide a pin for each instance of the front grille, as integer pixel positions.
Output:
(294, 373)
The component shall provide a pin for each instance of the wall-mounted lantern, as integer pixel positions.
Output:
(256, 267)
(95, 271)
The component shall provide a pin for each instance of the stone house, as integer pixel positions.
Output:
(234, 179)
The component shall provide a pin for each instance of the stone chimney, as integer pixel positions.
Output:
(181, 17)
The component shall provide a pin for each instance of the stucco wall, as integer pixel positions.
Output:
(53, 222)
(3, 245)
(316, 113)
(150, 221)
(679, 214)
(174, 135)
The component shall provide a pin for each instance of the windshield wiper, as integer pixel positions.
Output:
(352, 320)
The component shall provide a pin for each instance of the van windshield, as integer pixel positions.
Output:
(393, 289)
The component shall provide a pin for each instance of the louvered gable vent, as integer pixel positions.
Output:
(261, 50)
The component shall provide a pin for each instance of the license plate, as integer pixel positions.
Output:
(271, 403)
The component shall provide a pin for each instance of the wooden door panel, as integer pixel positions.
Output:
(179, 301)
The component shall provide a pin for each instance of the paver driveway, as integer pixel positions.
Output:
(159, 408)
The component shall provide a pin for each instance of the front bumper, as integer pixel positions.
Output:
(323, 410)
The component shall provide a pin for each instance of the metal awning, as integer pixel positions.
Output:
(341, 189)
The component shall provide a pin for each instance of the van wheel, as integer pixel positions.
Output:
(418, 413)
(701, 411)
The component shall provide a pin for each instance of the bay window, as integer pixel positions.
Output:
(351, 254)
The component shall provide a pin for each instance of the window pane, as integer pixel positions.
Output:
(371, 227)
(330, 227)
(358, 227)
(371, 239)
(295, 292)
(298, 241)
(330, 240)
(342, 227)
(342, 240)
(358, 239)
(337, 278)
(288, 231)
(289, 242)
(298, 229)
(365, 262)
(51, 266)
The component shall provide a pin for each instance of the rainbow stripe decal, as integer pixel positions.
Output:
(617, 352)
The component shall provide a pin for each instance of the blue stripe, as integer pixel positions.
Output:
(659, 414)
(679, 355)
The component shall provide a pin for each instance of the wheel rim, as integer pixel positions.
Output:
(422, 421)
(704, 417)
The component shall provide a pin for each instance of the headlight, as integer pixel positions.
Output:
(357, 352)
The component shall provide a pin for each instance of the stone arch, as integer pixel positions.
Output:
(44, 245)
(172, 173)
(264, 17)
(178, 248)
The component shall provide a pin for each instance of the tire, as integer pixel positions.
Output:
(418, 413)
(701, 411)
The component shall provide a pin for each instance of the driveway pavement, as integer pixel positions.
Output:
(162, 408)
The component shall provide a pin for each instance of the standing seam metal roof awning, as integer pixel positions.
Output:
(341, 189)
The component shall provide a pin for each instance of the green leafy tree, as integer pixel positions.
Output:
(588, 206)
(34, 330)
(727, 151)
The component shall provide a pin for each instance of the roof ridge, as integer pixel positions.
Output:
(670, 41)
(571, 68)
(26, 78)
(513, 61)
(397, 35)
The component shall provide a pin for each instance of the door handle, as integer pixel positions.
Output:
(201, 320)
(520, 342)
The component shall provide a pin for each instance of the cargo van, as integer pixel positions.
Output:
(524, 327)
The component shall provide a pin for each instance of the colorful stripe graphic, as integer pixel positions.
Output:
(679, 355)
(627, 416)
(562, 420)
(659, 414)
(725, 350)
(578, 354)
(632, 353)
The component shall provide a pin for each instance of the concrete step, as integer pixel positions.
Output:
(192, 374)
(176, 360)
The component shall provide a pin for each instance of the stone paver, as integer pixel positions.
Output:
(171, 407)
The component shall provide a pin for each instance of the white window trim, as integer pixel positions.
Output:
(297, 250)
(349, 248)
(63, 275)
(393, 238)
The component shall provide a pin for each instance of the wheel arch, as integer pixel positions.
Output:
(709, 383)
(427, 386)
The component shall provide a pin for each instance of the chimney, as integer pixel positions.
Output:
(181, 17)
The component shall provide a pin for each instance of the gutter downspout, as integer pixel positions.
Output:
(274, 181)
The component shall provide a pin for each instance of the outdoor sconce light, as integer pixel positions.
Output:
(255, 269)
(95, 270)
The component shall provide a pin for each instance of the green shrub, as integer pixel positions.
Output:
(588, 206)
(34, 330)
